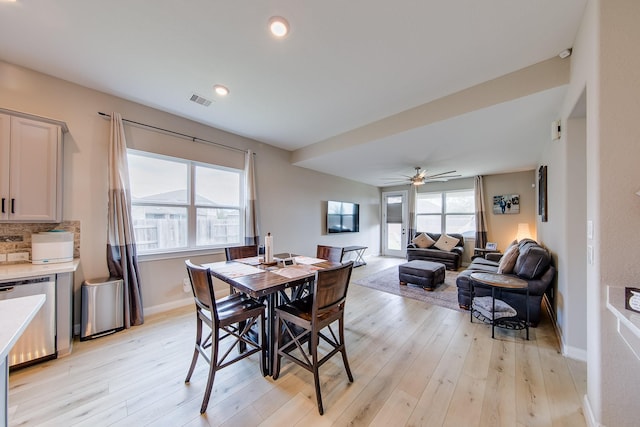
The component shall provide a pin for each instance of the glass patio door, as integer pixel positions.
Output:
(395, 214)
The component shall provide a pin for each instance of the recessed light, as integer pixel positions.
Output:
(278, 26)
(221, 90)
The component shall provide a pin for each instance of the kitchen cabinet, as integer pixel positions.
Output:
(30, 169)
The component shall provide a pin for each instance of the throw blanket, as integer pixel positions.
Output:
(484, 306)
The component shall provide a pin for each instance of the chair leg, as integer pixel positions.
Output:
(196, 352)
(276, 349)
(344, 349)
(213, 365)
(316, 375)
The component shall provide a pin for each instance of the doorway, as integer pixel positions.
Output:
(395, 217)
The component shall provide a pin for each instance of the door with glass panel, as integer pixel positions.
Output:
(395, 216)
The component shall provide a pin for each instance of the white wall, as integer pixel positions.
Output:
(604, 74)
(291, 198)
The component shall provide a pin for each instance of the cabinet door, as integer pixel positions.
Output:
(34, 182)
(5, 135)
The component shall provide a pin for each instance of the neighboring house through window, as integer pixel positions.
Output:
(180, 204)
(446, 212)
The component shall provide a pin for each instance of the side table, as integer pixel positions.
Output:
(501, 282)
(359, 253)
(481, 252)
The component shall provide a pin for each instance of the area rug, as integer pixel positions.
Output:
(445, 295)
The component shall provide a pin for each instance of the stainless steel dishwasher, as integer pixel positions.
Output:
(38, 342)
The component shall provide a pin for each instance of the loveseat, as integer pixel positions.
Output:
(533, 264)
(451, 259)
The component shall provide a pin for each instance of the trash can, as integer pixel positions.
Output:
(102, 307)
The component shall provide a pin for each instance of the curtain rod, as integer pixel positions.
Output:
(182, 135)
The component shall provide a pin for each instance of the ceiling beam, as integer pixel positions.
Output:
(544, 75)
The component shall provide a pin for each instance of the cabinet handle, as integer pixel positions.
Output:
(13, 205)
(3, 199)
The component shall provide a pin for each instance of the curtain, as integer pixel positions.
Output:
(251, 226)
(121, 249)
(481, 221)
(413, 195)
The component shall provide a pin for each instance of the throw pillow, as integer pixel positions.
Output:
(423, 241)
(446, 243)
(508, 260)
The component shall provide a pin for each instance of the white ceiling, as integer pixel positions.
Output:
(344, 66)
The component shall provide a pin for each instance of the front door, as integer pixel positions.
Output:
(395, 214)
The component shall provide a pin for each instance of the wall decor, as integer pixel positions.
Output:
(506, 204)
(542, 193)
(632, 299)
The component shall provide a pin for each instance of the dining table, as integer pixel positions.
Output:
(270, 283)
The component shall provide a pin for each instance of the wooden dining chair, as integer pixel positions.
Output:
(235, 252)
(330, 253)
(222, 317)
(309, 319)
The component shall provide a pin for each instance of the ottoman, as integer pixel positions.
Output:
(423, 273)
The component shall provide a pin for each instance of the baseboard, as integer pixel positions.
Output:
(588, 413)
(567, 351)
(161, 308)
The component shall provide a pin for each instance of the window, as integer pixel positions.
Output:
(447, 212)
(180, 204)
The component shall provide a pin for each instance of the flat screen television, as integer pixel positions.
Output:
(343, 217)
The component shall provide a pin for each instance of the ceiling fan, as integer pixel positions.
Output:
(421, 176)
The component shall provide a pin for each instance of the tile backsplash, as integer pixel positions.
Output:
(16, 236)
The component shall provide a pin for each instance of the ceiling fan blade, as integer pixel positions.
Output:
(440, 174)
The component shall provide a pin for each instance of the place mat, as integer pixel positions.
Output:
(295, 271)
(233, 269)
(307, 260)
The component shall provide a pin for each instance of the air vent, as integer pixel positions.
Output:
(200, 100)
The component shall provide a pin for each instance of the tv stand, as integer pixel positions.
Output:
(358, 259)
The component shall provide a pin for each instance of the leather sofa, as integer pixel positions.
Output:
(533, 265)
(451, 259)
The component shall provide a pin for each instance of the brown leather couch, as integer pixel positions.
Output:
(451, 259)
(533, 265)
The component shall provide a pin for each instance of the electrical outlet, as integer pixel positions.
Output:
(3, 257)
(18, 256)
(186, 285)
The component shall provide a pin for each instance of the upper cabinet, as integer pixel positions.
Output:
(30, 169)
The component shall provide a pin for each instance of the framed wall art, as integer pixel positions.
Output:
(506, 204)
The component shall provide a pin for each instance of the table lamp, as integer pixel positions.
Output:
(523, 232)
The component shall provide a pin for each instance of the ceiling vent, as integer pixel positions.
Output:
(200, 100)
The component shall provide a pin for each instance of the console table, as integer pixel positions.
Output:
(358, 254)
(501, 282)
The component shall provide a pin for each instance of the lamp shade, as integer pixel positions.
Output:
(523, 232)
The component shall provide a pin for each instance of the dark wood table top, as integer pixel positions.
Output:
(259, 282)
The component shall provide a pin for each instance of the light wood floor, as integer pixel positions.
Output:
(413, 364)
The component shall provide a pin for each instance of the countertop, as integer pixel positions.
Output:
(21, 271)
(15, 315)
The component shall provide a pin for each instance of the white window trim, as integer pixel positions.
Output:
(443, 213)
(191, 249)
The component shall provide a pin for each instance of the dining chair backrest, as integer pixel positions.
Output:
(330, 253)
(202, 287)
(235, 252)
(330, 289)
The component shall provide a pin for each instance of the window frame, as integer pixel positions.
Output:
(443, 211)
(192, 207)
